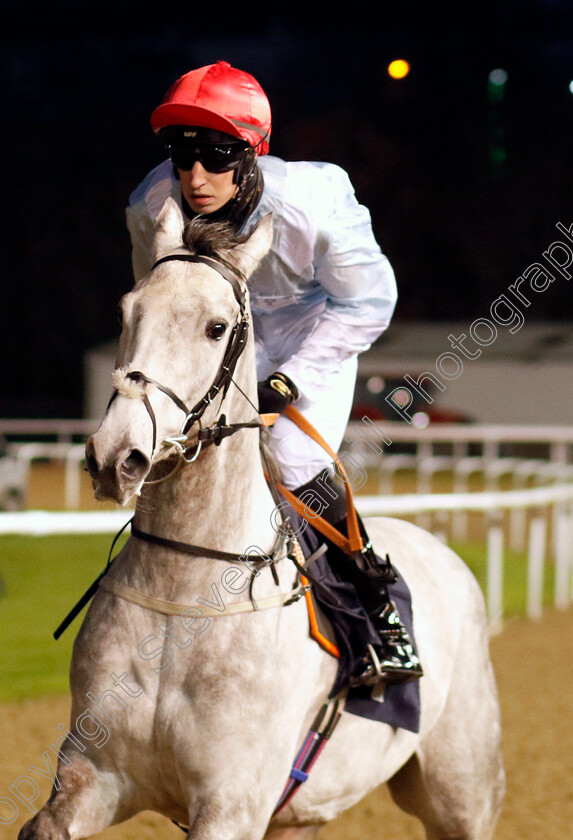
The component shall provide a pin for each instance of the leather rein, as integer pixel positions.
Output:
(330, 713)
(213, 434)
(221, 429)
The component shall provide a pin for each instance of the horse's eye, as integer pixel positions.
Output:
(216, 331)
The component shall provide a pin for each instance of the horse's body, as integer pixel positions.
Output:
(200, 719)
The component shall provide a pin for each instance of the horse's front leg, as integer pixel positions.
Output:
(308, 832)
(84, 800)
(223, 820)
(232, 811)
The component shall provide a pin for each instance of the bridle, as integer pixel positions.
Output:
(331, 711)
(221, 429)
(235, 346)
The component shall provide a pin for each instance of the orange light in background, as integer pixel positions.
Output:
(398, 69)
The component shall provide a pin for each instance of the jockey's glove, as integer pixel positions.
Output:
(275, 393)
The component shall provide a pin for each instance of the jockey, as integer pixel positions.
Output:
(320, 297)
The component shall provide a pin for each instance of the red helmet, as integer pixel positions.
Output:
(220, 97)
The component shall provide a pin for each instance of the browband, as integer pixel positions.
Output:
(229, 274)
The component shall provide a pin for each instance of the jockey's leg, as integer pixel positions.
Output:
(305, 465)
(395, 659)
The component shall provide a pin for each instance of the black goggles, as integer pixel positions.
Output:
(214, 158)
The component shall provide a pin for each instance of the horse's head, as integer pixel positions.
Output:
(183, 329)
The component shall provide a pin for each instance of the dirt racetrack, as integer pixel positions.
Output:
(535, 678)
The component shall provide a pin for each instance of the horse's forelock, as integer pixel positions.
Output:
(210, 239)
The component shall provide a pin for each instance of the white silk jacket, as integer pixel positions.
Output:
(322, 294)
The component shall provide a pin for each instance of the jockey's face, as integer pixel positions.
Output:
(206, 191)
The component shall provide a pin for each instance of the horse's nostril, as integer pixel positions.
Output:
(91, 464)
(135, 465)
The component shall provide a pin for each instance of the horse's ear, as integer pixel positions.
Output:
(248, 255)
(169, 225)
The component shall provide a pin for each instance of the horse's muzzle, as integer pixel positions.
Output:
(117, 476)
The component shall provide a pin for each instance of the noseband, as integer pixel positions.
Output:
(235, 346)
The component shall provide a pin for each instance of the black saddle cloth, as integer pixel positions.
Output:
(398, 704)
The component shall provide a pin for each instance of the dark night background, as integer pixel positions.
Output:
(464, 190)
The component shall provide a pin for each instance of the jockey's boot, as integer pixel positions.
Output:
(395, 659)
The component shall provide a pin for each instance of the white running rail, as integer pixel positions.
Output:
(538, 501)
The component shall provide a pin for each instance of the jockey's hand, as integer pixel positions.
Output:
(275, 393)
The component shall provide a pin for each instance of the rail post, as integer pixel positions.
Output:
(535, 562)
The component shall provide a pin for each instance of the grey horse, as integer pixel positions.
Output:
(187, 702)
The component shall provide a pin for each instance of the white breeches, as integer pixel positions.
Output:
(299, 456)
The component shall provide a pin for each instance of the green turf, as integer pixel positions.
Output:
(514, 575)
(41, 578)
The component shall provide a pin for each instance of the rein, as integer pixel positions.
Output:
(330, 713)
(221, 429)
(199, 551)
(213, 434)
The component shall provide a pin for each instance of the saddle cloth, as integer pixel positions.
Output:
(397, 704)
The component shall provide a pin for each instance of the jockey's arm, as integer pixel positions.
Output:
(359, 285)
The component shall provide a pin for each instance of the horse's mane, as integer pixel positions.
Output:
(211, 239)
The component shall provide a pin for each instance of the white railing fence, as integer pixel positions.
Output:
(71, 454)
(375, 436)
(535, 515)
(369, 443)
(537, 502)
(543, 504)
